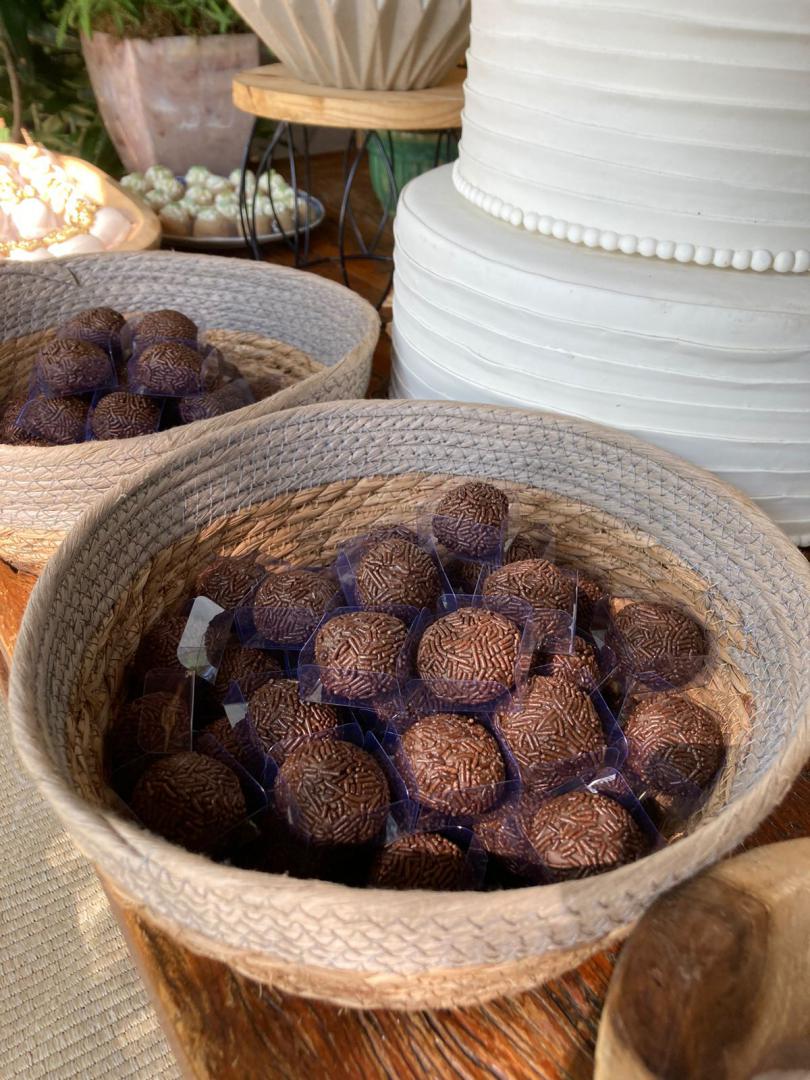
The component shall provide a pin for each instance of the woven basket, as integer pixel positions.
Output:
(317, 335)
(293, 485)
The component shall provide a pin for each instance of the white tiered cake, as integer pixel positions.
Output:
(626, 234)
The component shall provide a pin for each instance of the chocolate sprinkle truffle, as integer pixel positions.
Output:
(529, 545)
(191, 800)
(469, 655)
(534, 583)
(654, 639)
(580, 667)
(59, 421)
(158, 723)
(397, 572)
(101, 326)
(471, 518)
(252, 666)
(121, 415)
(229, 581)
(456, 764)
(589, 595)
(66, 366)
(579, 833)
(550, 722)
(169, 368)
(333, 793)
(390, 532)
(359, 653)
(10, 433)
(289, 604)
(283, 722)
(165, 325)
(225, 399)
(673, 745)
(158, 647)
(420, 861)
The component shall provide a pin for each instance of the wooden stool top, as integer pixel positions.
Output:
(272, 92)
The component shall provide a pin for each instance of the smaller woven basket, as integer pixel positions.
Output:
(317, 336)
(293, 486)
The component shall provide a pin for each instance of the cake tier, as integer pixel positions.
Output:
(675, 130)
(707, 363)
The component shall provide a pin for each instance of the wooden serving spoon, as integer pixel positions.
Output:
(715, 980)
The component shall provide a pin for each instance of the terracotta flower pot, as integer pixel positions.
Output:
(168, 100)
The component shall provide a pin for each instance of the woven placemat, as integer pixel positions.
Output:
(72, 1004)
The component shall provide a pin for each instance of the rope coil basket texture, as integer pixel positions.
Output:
(317, 336)
(300, 482)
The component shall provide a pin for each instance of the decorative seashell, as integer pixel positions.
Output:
(173, 189)
(33, 218)
(197, 174)
(175, 219)
(198, 194)
(135, 182)
(83, 244)
(111, 226)
(158, 175)
(209, 222)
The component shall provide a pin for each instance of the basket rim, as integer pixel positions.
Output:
(558, 899)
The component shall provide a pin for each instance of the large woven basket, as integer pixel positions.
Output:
(293, 485)
(318, 336)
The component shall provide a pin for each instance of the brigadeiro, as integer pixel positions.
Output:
(158, 647)
(59, 421)
(121, 415)
(229, 581)
(530, 545)
(289, 604)
(419, 861)
(67, 366)
(590, 595)
(10, 432)
(397, 572)
(655, 639)
(225, 399)
(283, 722)
(240, 664)
(673, 745)
(359, 653)
(333, 793)
(100, 326)
(157, 723)
(191, 800)
(165, 325)
(470, 520)
(390, 532)
(549, 723)
(469, 655)
(580, 667)
(169, 368)
(455, 764)
(580, 833)
(533, 582)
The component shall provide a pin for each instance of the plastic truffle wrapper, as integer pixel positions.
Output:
(52, 420)
(357, 658)
(657, 643)
(368, 584)
(204, 638)
(455, 526)
(286, 605)
(472, 667)
(175, 370)
(676, 749)
(68, 367)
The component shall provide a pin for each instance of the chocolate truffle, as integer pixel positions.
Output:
(169, 368)
(10, 433)
(673, 745)
(359, 653)
(101, 326)
(251, 666)
(165, 325)
(530, 545)
(191, 800)
(456, 764)
(501, 835)
(590, 594)
(66, 366)
(239, 741)
(397, 572)
(333, 793)
(283, 722)
(217, 402)
(158, 723)
(466, 575)
(229, 581)
(537, 586)
(289, 604)
(580, 667)
(579, 833)
(651, 639)
(390, 532)
(420, 861)
(471, 518)
(58, 421)
(120, 415)
(469, 655)
(548, 723)
(158, 647)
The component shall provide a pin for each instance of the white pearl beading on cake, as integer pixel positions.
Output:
(784, 262)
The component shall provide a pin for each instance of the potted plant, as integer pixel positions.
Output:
(161, 71)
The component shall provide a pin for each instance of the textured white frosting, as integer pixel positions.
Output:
(675, 130)
(710, 364)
